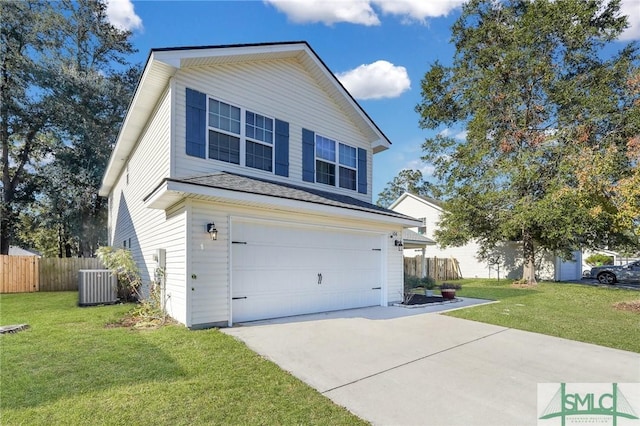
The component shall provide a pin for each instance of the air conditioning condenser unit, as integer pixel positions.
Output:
(97, 287)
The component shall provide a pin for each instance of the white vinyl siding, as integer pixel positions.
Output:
(291, 95)
(394, 271)
(209, 261)
(174, 230)
(149, 229)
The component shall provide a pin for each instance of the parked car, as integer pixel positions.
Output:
(610, 274)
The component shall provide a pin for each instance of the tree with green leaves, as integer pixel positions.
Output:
(541, 99)
(27, 32)
(65, 88)
(406, 181)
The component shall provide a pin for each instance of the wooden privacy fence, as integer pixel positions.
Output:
(440, 269)
(25, 274)
(19, 274)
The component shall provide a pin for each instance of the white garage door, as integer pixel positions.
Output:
(281, 270)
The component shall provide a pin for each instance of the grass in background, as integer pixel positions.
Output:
(572, 311)
(68, 368)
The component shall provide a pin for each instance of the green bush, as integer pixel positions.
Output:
(449, 286)
(149, 311)
(122, 263)
(599, 259)
(411, 282)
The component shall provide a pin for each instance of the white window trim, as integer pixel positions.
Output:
(355, 169)
(243, 136)
(422, 230)
(336, 163)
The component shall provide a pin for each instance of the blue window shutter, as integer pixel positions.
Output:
(196, 138)
(308, 155)
(362, 171)
(282, 148)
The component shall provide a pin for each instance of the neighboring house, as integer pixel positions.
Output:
(18, 251)
(245, 172)
(507, 262)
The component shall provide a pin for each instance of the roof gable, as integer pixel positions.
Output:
(428, 201)
(162, 64)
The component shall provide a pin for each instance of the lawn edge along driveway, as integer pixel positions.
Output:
(430, 368)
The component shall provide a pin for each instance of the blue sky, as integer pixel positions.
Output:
(379, 49)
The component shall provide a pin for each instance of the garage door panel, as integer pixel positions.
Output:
(278, 283)
(261, 257)
(276, 270)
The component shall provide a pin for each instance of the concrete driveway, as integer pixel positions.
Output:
(396, 366)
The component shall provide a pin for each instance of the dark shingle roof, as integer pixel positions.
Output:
(253, 185)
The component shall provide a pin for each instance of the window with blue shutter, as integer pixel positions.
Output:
(259, 141)
(308, 156)
(233, 134)
(333, 163)
(362, 171)
(196, 123)
(282, 148)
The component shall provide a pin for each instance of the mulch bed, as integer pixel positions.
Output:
(138, 322)
(633, 306)
(420, 299)
(517, 284)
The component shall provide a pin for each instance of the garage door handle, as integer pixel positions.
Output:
(236, 298)
(319, 278)
(376, 288)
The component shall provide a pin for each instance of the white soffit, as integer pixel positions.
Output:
(171, 192)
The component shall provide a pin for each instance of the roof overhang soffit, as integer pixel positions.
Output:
(171, 192)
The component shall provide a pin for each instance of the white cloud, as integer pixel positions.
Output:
(426, 169)
(461, 135)
(327, 12)
(631, 8)
(418, 10)
(121, 15)
(362, 12)
(378, 80)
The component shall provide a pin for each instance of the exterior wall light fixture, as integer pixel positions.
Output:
(212, 231)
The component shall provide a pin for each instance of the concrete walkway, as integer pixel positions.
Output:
(396, 366)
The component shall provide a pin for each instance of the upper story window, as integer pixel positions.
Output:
(348, 167)
(422, 230)
(259, 133)
(224, 141)
(240, 136)
(224, 116)
(225, 132)
(336, 163)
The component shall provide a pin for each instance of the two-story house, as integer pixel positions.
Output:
(244, 172)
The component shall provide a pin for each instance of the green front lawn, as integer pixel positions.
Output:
(68, 368)
(572, 311)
